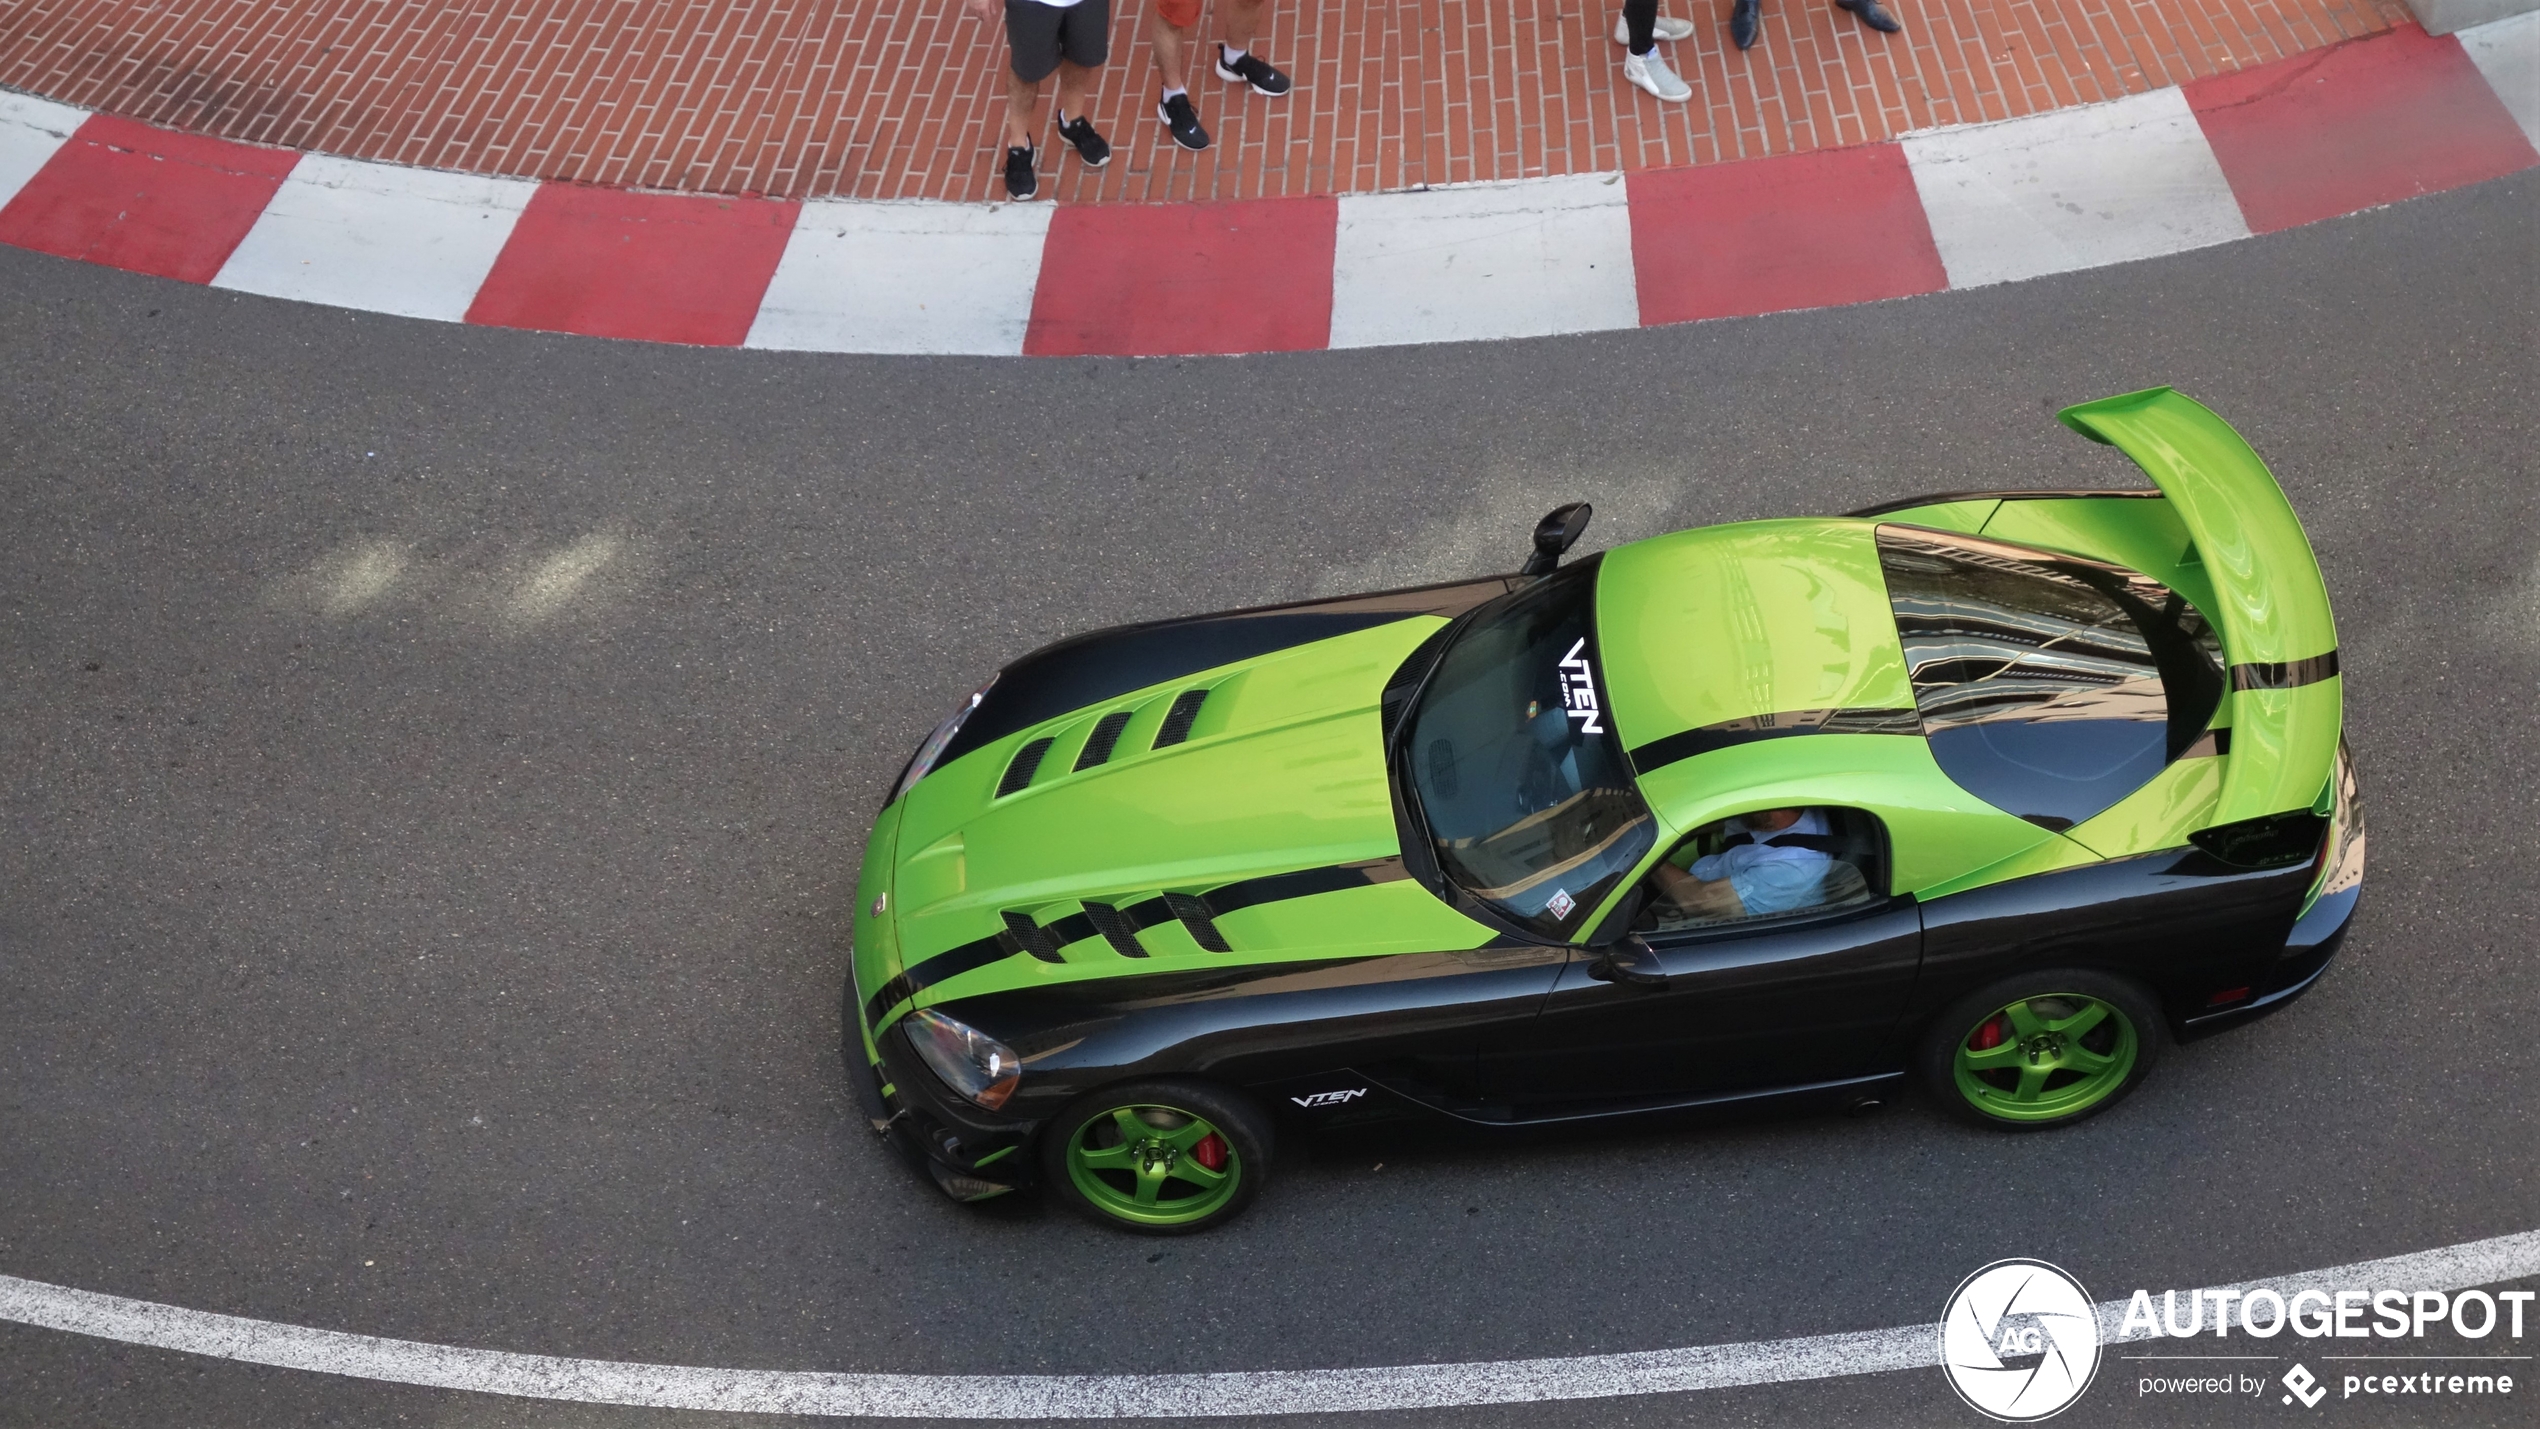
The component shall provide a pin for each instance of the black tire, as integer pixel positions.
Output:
(2136, 1028)
(1092, 1120)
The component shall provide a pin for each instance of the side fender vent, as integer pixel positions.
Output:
(1031, 937)
(1106, 734)
(1178, 720)
(1115, 930)
(1027, 762)
(1194, 916)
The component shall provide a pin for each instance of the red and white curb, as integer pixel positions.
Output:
(2349, 127)
(1133, 1396)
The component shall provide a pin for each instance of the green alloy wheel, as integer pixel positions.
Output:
(1160, 1158)
(2044, 1051)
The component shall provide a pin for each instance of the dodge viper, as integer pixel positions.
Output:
(1997, 794)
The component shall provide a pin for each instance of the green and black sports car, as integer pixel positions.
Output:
(2000, 791)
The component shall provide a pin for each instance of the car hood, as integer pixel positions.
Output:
(1273, 766)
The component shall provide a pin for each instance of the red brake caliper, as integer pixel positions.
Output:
(1211, 1152)
(1990, 1035)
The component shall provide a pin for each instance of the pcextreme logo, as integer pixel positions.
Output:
(2019, 1341)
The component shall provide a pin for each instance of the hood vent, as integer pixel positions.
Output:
(1115, 930)
(1106, 734)
(1031, 937)
(1178, 720)
(1194, 916)
(1027, 762)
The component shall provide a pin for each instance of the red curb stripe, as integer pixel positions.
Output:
(653, 267)
(1810, 230)
(129, 196)
(1152, 280)
(2356, 125)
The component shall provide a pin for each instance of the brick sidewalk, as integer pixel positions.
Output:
(898, 98)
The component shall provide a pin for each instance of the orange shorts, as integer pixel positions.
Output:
(1180, 14)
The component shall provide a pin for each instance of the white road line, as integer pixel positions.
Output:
(2072, 188)
(1126, 1396)
(1520, 259)
(380, 238)
(31, 131)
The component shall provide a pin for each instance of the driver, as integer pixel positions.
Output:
(1771, 861)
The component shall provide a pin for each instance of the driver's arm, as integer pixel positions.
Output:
(1701, 898)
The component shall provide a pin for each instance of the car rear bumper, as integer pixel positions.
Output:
(2320, 930)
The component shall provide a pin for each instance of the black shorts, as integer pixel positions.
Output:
(1040, 35)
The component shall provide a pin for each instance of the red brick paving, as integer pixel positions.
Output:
(898, 98)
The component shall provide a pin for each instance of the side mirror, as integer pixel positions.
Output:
(1558, 531)
(1630, 961)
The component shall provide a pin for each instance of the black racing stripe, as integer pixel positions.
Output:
(2284, 675)
(2212, 744)
(951, 963)
(1727, 734)
(1305, 883)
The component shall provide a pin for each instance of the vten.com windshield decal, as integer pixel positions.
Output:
(1578, 689)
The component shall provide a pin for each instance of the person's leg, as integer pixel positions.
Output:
(1075, 87)
(1171, 27)
(1241, 20)
(1031, 34)
(1170, 42)
(1022, 110)
(1642, 64)
(1640, 17)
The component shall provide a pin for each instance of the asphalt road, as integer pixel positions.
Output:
(434, 762)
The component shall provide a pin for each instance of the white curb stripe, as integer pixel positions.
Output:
(1521, 259)
(905, 278)
(379, 237)
(1128, 1396)
(31, 129)
(2507, 53)
(2074, 188)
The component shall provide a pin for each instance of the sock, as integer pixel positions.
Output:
(1228, 55)
(1177, 89)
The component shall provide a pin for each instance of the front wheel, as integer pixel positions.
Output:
(1158, 1158)
(2041, 1049)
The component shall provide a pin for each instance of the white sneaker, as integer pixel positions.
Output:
(1670, 29)
(1650, 72)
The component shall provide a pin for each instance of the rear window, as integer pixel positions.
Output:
(2050, 687)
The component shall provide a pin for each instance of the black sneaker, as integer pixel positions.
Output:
(1253, 70)
(1183, 120)
(1020, 180)
(1091, 147)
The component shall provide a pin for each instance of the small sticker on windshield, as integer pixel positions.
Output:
(1578, 689)
(1561, 903)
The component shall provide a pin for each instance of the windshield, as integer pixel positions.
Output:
(1523, 785)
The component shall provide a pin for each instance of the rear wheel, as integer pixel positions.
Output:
(1158, 1158)
(2040, 1050)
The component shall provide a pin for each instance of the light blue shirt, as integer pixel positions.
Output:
(1768, 879)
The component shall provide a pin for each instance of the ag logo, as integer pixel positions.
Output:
(2019, 1341)
(1323, 1099)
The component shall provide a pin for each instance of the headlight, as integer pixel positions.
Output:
(975, 1064)
(933, 749)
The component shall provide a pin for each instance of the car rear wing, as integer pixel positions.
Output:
(2287, 702)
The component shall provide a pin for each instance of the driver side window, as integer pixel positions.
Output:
(1769, 863)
